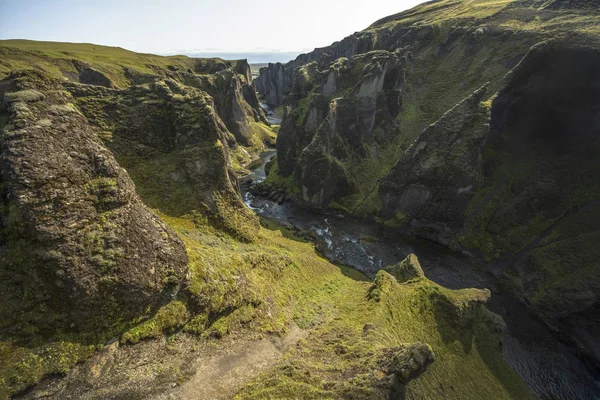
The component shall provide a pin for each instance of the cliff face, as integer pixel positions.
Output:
(80, 251)
(121, 223)
(85, 149)
(234, 97)
(88, 235)
(436, 177)
(325, 134)
(473, 137)
(537, 210)
(172, 141)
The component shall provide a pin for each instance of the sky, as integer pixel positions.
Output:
(268, 28)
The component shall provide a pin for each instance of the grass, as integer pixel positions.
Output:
(22, 366)
(529, 16)
(349, 331)
(56, 58)
(265, 286)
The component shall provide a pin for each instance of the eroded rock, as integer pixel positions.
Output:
(407, 269)
(80, 251)
(436, 178)
(407, 362)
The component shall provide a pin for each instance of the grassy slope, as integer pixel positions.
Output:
(56, 57)
(266, 285)
(259, 288)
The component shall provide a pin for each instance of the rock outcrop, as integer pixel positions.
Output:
(537, 211)
(431, 185)
(274, 81)
(234, 98)
(330, 129)
(172, 141)
(473, 137)
(406, 270)
(79, 251)
(407, 362)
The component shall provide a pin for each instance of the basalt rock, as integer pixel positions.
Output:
(90, 76)
(274, 82)
(406, 270)
(432, 183)
(538, 205)
(484, 138)
(330, 131)
(79, 251)
(234, 98)
(407, 362)
(172, 141)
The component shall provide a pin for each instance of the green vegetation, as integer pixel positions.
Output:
(169, 318)
(265, 286)
(22, 366)
(61, 59)
(275, 180)
(354, 327)
(341, 356)
(397, 222)
(255, 281)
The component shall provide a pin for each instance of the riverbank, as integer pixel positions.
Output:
(546, 364)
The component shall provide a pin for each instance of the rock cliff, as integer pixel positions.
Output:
(129, 264)
(459, 122)
(80, 251)
(86, 149)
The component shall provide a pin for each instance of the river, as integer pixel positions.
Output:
(272, 116)
(546, 364)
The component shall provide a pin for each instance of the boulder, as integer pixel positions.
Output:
(407, 362)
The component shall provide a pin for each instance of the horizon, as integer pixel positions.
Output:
(196, 29)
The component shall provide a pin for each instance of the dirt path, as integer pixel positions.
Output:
(223, 373)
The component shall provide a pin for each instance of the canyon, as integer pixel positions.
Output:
(411, 212)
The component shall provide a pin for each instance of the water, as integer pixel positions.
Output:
(272, 116)
(547, 365)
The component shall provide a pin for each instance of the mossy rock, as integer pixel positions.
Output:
(407, 269)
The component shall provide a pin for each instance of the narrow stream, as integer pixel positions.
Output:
(547, 365)
(272, 116)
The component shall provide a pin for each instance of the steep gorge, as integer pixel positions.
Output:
(128, 259)
(473, 124)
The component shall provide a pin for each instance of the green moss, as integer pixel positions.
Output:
(120, 66)
(263, 135)
(266, 285)
(197, 324)
(104, 190)
(167, 320)
(524, 194)
(29, 95)
(274, 179)
(397, 222)
(21, 367)
(236, 320)
(352, 322)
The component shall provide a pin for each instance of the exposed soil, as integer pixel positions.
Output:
(221, 374)
(184, 368)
